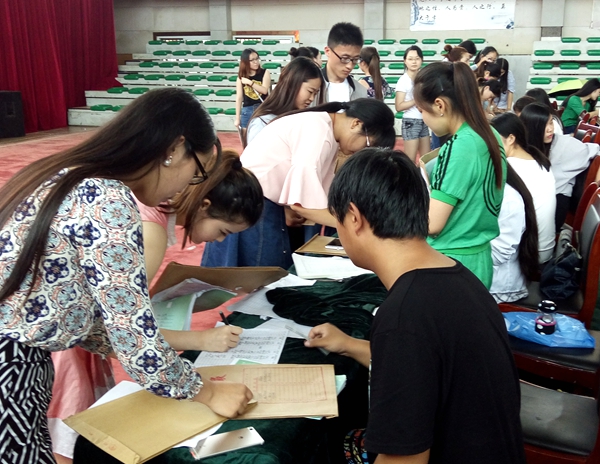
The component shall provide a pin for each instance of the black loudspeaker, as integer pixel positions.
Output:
(12, 123)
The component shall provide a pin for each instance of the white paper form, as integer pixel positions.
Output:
(336, 267)
(256, 345)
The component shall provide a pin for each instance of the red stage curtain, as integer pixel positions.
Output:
(54, 50)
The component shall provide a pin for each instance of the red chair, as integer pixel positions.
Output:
(559, 428)
(584, 116)
(584, 203)
(593, 121)
(583, 135)
(587, 138)
(581, 305)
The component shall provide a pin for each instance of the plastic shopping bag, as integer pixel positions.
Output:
(570, 333)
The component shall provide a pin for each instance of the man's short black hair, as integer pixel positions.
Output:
(345, 34)
(388, 190)
(469, 46)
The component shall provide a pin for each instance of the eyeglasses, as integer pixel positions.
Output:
(346, 59)
(254, 59)
(198, 178)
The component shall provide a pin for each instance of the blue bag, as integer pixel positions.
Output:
(570, 333)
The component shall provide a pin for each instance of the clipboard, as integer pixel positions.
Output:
(316, 246)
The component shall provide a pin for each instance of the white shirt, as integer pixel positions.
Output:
(569, 157)
(256, 125)
(339, 91)
(405, 84)
(542, 186)
(508, 282)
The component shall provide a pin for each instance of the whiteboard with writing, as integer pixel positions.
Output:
(457, 15)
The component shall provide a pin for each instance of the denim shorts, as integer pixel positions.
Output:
(246, 114)
(414, 129)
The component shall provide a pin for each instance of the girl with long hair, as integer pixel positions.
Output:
(300, 84)
(455, 54)
(540, 96)
(377, 87)
(570, 158)
(72, 267)
(533, 167)
(229, 201)
(294, 159)
(467, 182)
(584, 99)
(507, 80)
(488, 54)
(310, 52)
(515, 250)
(414, 130)
(252, 86)
(488, 91)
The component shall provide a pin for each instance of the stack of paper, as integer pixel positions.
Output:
(310, 267)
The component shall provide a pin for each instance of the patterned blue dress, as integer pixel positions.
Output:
(91, 291)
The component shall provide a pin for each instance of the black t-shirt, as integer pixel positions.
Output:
(251, 96)
(442, 372)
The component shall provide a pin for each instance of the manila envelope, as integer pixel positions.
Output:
(282, 390)
(316, 246)
(140, 426)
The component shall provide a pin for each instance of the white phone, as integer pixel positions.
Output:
(228, 441)
(335, 244)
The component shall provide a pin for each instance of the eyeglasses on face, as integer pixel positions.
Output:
(198, 178)
(346, 59)
(254, 59)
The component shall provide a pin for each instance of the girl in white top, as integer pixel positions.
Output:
(514, 251)
(414, 131)
(534, 169)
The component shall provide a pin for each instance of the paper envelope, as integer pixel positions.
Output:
(137, 427)
(283, 390)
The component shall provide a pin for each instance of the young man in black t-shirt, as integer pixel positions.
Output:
(444, 388)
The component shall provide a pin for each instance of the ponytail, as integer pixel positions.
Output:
(455, 82)
(371, 57)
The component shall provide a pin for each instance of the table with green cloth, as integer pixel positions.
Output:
(348, 305)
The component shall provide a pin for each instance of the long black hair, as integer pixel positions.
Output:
(528, 246)
(130, 146)
(535, 118)
(456, 83)
(589, 87)
(509, 123)
(541, 96)
(370, 57)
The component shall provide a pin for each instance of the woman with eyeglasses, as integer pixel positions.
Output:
(294, 159)
(72, 267)
(415, 132)
(467, 182)
(252, 86)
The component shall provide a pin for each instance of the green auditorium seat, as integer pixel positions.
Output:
(193, 42)
(147, 64)
(477, 40)
(270, 42)
(399, 114)
(593, 66)
(203, 92)
(396, 66)
(162, 52)
(173, 42)
(569, 66)
(560, 80)
(280, 53)
(407, 42)
(230, 111)
(225, 93)
(250, 42)
(570, 52)
(138, 90)
(132, 77)
(208, 65)
(453, 41)
(221, 53)
(182, 52)
(195, 77)
(174, 77)
(543, 52)
(399, 53)
(369, 41)
(542, 66)
(272, 65)
(188, 64)
(263, 52)
(384, 53)
(570, 39)
(166, 64)
(117, 90)
(392, 79)
(593, 39)
(593, 52)
(237, 53)
(229, 65)
(118, 107)
(232, 78)
(216, 78)
(386, 41)
(430, 41)
(200, 53)
(540, 80)
(213, 110)
(212, 42)
(153, 77)
(429, 53)
(561, 97)
(101, 107)
(230, 42)
(155, 42)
